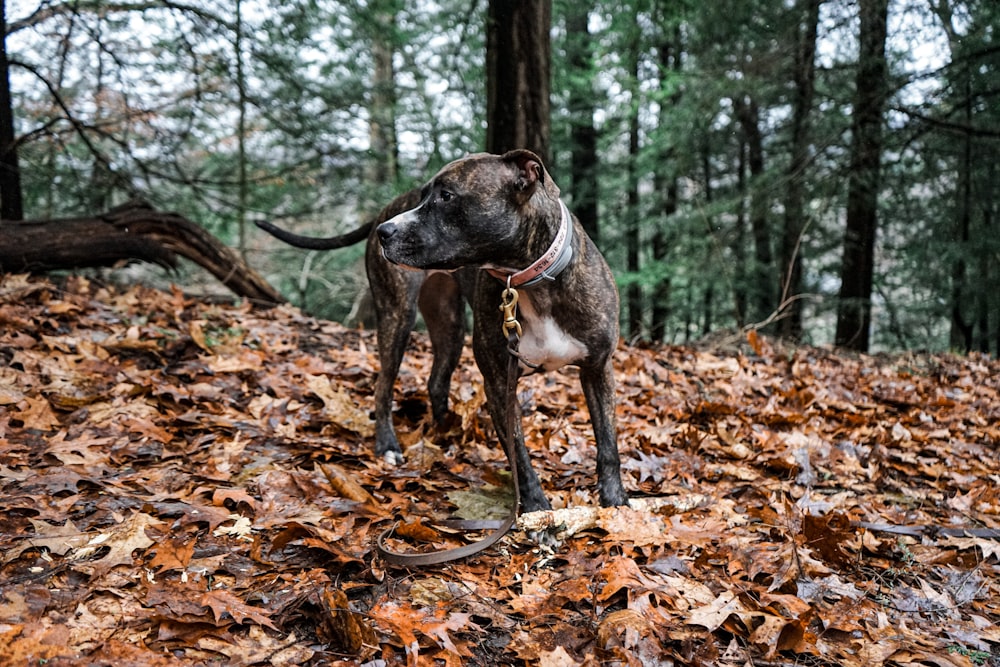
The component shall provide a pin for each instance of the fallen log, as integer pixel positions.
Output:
(133, 231)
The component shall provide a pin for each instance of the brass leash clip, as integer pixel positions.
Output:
(508, 306)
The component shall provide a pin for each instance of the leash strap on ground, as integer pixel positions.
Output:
(464, 551)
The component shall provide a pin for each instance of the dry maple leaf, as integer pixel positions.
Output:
(117, 652)
(339, 407)
(439, 630)
(173, 554)
(989, 548)
(20, 645)
(36, 412)
(223, 602)
(409, 622)
(717, 612)
(240, 361)
(629, 635)
(122, 540)
(776, 634)
(57, 539)
(85, 451)
(624, 574)
(242, 528)
(403, 620)
(259, 648)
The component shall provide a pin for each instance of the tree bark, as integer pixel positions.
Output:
(804, 75)
(633, 292)
(583, 134)
(858, 267)
(11, 206)
(243, 102)
(518, 61)
(135, 231)
(741, 283)
(761, 289)
(961, 334)
(671, 62)
(382, 122)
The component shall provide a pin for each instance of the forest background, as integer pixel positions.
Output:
(825, 170)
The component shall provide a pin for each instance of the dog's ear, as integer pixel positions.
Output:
(528, 172)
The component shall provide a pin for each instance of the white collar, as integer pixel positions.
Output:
(552, 262)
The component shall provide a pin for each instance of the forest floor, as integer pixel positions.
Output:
(179, 485)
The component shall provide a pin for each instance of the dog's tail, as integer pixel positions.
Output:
(315, 242)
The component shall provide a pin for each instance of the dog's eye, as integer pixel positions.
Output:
(445, 196)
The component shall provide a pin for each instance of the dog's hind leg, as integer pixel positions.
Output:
(443, 309)
(599, 390)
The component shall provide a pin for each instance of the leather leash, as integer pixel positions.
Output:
(512, 329)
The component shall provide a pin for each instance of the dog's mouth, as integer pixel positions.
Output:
(418, 257)
(399, 263)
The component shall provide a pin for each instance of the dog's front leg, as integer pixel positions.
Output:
(531, 495)
(395, 303)
(599, 389)
(491, 357)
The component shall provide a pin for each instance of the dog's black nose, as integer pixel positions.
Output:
(386, 231)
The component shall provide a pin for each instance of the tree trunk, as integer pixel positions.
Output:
(761, 289)
(804, 70)
(707, 303)
(991, 266)
(741, 273)
(134, 231)
(633, 293)
(518, 60)
(382, 122)
(857, 270)
(666, 185)
(583, 134)
(243, 185)
(971, 306)
(11, 206)
(987, 274)
(961, 334)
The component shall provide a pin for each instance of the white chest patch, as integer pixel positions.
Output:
(544, 343)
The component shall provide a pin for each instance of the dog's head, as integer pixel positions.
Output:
(472, 213)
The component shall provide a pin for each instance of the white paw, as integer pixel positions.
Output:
(393, 458)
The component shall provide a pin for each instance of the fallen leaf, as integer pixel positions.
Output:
(259, 648)
(344, 485)
(36, 413)
(557, 657)
(625, 628)
(347, 630)
(222, 602)
(242, 528)
(989, 548)
(121, 541)
(174, 553)
(339, 407)
(714, 614)
(58, 540)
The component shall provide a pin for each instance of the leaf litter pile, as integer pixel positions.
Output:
(189, 483)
